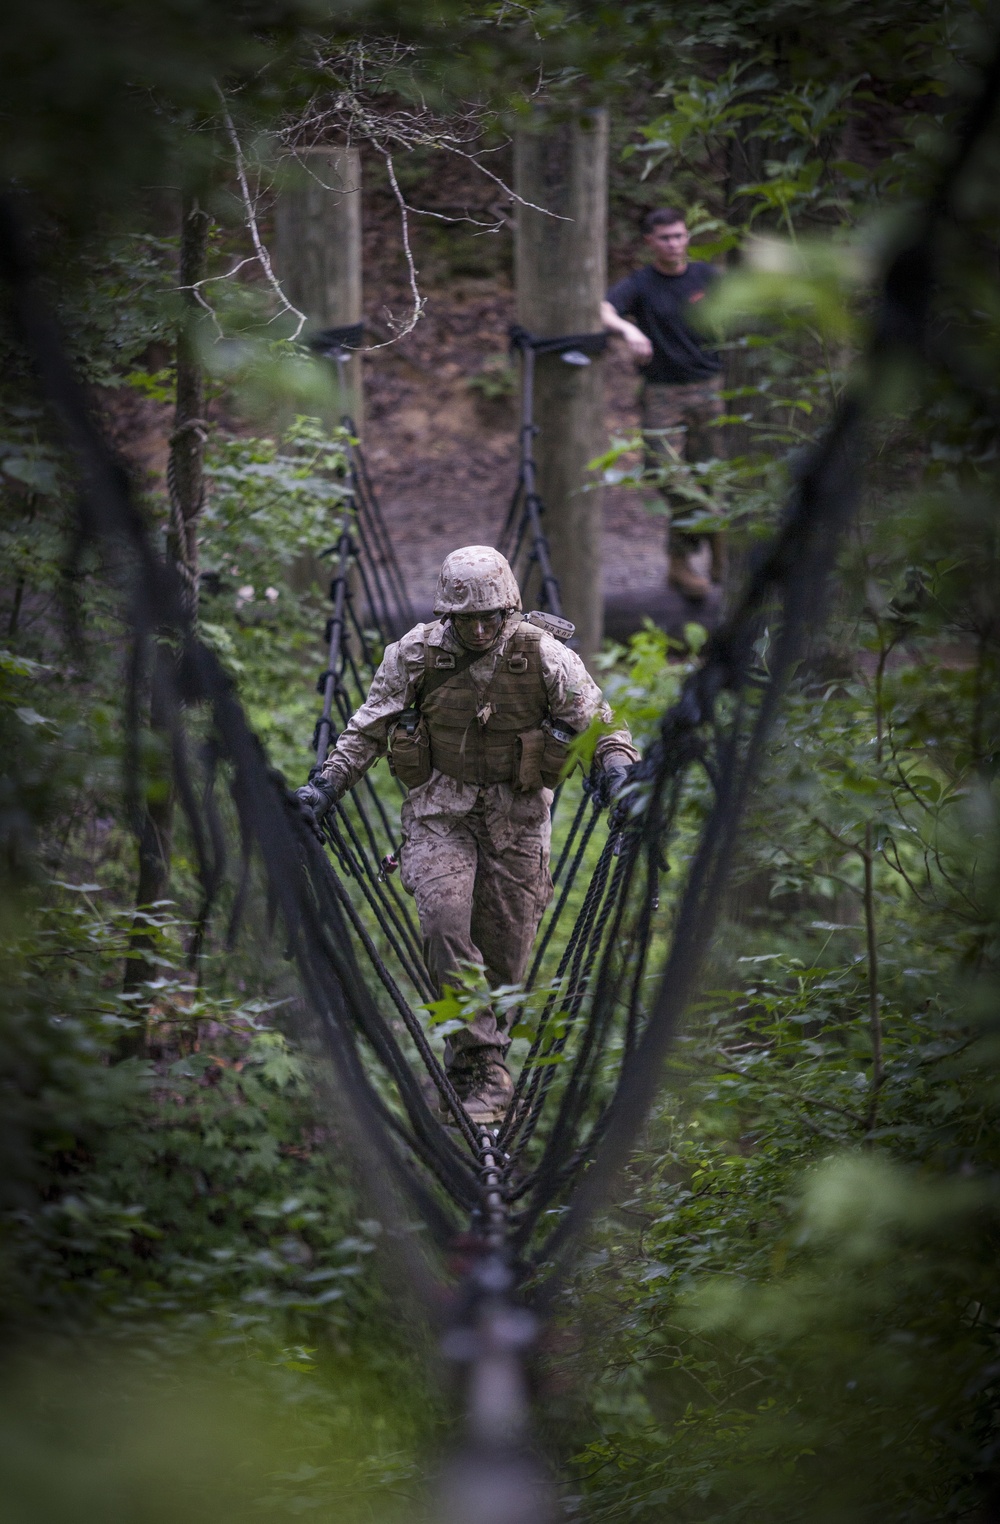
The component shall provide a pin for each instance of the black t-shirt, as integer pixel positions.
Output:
(659, 305)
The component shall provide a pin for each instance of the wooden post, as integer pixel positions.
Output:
(318, 248)
(560, 268)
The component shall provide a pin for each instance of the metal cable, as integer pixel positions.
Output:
(361, 873)
(374, 509)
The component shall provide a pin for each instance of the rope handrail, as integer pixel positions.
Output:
(524, 517)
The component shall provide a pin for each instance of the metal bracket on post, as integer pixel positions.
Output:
(568, 346)
(337, 343)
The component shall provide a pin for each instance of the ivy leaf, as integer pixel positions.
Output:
(34, 471)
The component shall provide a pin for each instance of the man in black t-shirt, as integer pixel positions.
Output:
(651, 309)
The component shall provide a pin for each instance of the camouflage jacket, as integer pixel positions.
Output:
(574, 700)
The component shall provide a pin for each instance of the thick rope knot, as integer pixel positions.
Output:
(199, 426)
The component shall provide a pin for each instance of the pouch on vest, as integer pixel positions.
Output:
(528, 753)
(555, 752)
(410, 749)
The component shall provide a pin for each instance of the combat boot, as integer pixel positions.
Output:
(483, 1084)
(682, 575)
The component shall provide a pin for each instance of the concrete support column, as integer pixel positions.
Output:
(560, 270)
(318, 247)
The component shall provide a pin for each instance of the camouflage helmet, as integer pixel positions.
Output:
(475, 580)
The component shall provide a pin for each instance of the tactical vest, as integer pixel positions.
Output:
(484, 740)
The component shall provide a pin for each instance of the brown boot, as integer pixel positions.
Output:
(682, 575)
(719, 547)
(484, 1085)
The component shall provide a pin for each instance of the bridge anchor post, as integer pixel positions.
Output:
(560, 266)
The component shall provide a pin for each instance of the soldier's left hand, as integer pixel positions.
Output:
(612, 778)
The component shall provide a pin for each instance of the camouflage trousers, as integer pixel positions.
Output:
(676, 427)
(478, 902)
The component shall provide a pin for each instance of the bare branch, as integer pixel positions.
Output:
(264, 259)
(418, 301)
(226, 275)
(351, 112)
(351, 108)
(206, 306)
(507, 189)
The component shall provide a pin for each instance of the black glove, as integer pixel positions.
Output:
(612, 777)
(316, 801)
(616, 775)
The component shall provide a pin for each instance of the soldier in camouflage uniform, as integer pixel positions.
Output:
(477, 711)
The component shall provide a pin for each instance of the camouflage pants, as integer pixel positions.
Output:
(676, 425)
(477, 903)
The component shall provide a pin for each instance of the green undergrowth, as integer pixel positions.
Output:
(185, 1247)
(116, 1432)
(791, 1310)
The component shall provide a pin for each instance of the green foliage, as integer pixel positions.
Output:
(802, 1265)
(272, 510)
(703, 110)
(107, 96)
(192, 1207)
(640, 681)
(809, 286)
(157, 1165)
(792, 1311)
(517, 1008)
(115, 301)
(496, 379)
(97, 1434)
(803, 1310)
(268, 378)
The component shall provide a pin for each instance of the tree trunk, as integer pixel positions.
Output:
(560, 268)
(185, 482)
(185, 470)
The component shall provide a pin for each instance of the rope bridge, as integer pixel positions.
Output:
(365, 850)
(607, 1019)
